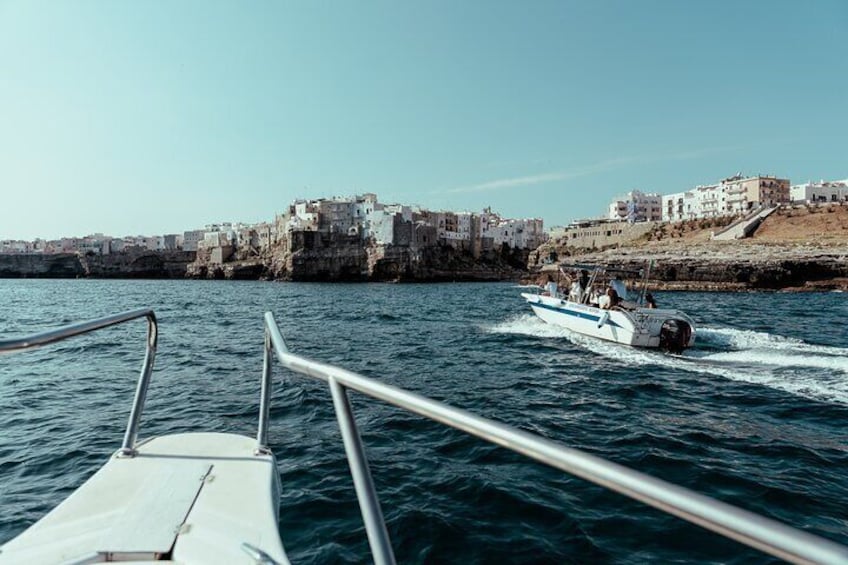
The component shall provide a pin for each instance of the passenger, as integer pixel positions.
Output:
(619, 287)
(649, 301)
(593, 297)
(576, 292)
(584, 278)
(610, 300)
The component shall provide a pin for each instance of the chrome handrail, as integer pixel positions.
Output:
(759, 532)
(53, 336)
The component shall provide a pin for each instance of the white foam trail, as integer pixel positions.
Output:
(767, 357)
(756, 362)
(528, 324)
(749, 339)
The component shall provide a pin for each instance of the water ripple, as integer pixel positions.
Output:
(753, 415)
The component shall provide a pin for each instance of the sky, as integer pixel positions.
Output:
(158, 117)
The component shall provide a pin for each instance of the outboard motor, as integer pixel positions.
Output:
(675, 335)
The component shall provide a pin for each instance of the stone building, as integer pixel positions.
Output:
(597, 233)
(192, 238)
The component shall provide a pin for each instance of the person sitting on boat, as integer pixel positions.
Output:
(649, 301)
(610, 300)
(594, 294)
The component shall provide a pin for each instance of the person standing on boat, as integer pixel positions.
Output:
(584, 278)
(619, 287)
(576, 293)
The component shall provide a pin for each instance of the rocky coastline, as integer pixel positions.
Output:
(350, 261)
(342, 263)
(792, 251)
(714, 266)
(725, 266)
(131, 264)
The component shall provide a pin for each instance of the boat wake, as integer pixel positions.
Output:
(816, 372)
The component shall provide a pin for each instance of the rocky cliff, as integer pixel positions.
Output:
(138, 264)
(36, 265)
(734, 266)
(313, 257)
(128, 264)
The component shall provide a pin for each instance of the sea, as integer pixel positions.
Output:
(756, 414)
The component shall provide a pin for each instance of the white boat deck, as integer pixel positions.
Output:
(185, 498)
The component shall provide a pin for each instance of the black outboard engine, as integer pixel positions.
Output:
(675, 335)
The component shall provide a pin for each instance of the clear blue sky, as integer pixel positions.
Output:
(156, 117)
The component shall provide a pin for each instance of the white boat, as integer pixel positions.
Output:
(630, 322)
(212, 498)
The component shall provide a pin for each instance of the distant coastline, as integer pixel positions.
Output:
(698, 268)
(793, 250)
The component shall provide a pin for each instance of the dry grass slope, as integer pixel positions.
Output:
(806, 224)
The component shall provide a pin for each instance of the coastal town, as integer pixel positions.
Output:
(361, 218)
(365, 218)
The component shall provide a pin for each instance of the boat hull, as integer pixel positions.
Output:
(639, 327)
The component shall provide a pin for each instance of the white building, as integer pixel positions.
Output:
(637, 206)
(677, 207)
(380, 226)
(155, 243)
(15, 246)
(709, 201)
(303, 216)
(822, 191)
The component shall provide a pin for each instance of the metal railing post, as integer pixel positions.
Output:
(128, 446)
(375, 525)
(80, 328)
(264, 399)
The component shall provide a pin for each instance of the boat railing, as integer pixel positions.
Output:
(759, 532)
(63, 333)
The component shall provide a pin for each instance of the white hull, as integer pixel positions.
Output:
(184, 498)
(640, 327)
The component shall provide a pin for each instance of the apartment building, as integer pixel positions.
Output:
(636, 206)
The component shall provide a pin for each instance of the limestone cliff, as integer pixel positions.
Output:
(313, 256)
(36, 265)
(734, 266)
(135, 263)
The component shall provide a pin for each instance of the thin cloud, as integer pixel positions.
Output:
(543, 178)
(531, 180)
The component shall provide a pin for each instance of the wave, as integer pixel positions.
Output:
(750, 339)
(815, 372)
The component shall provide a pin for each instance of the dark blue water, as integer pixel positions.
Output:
(756, 414)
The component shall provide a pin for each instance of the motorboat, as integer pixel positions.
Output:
(209, 497)
(625, 316)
